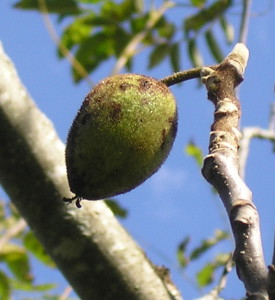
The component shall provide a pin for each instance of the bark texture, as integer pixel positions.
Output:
(91, 249)
(221, 169)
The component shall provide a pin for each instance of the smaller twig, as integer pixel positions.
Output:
(63, 49)
(131, 48)
(271, 124)
(245, 21)
(181, 76)
(248, 134)
(66, 293)
(19, 226)
(214, 293)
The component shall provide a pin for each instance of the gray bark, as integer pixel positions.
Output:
(221, 169)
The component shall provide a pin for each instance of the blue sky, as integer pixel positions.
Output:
(176, 201)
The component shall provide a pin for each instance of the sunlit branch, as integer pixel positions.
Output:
(221, 169)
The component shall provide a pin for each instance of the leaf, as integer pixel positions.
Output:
(121, 38)
(116, 208)
(228, 30)
(213, 46)
(17, 260)
(76, 33)
(174, 54)
(205, 275)
(206, 15)
(165, 29)
(137, 25)
(198, 3)
(5, 288)
(29, 287)
(34, 246)
(118, 12)
(92, 52)
(181, 256)
(53, 6)
(194, 53)
(208, 244)
(194, 151)
(158, 55)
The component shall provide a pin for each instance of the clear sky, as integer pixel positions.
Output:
(176, 201)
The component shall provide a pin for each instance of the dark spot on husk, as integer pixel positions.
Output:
(144, 84)
(145, 101)
(115, 111)
(163, 138)
(123, 86)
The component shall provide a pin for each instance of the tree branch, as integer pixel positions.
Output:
(221, 170)
(89, 246)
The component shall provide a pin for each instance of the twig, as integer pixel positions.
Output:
(66, 293)
(12, 232)
(213, 295)
(63, 49)
(131, 48)
(245, 21)
(271, 124)
(249, 133)
(221, 170)
(181, 76)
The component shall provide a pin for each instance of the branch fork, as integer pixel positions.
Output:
(221, 169)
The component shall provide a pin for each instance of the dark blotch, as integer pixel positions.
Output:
(115, 111)
(123, 86)
(163, 138)
(144, 84)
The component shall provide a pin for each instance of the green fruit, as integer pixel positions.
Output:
(121, 135)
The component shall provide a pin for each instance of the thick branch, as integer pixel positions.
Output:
(221, 167)
(91, 249)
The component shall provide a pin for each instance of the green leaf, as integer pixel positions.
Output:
(208, 244)
(92, 52)
(5, 288)
(181, 252)
(137, 23)
(175, 57)
(34, 246)
(228, 30)
(76, 33)
(121, 38)
(158, 55)
(213, 46)
(17, 260)
(118, 12)
(53, 6)
(165, 29)
(206, 15)
(194, 53)
(205, 276)
(29, 287)
(194, 151)
(198, 3)
(116, 208)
